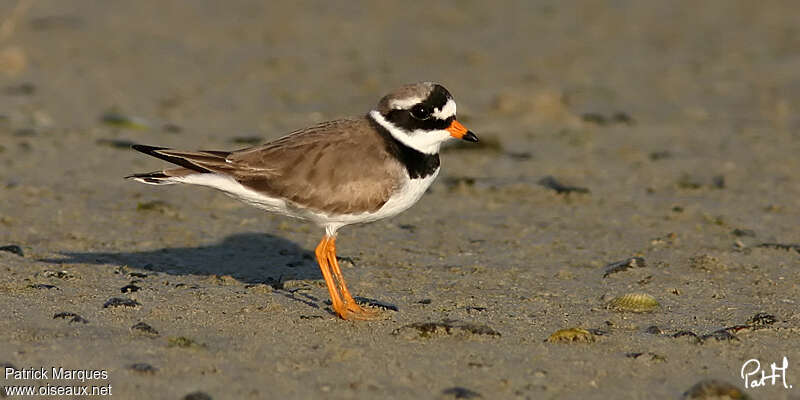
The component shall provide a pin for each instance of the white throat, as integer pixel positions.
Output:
(427, 142)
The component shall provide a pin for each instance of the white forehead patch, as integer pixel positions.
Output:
(449, 110)
(404, 104)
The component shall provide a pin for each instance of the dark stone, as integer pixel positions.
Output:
(781, 246)
(43, 286)
(552, 183)
(719, 335)
(197, 396)
(144, 328)
(462, 393)
(619, 266)
(120, 302)
(71, 316)
(447, 327)
(744, 232)
(762, 319)
(654, 330)
(12, 248)
(143, 368)
(129, 288)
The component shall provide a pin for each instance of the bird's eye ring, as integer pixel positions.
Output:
(421, 111)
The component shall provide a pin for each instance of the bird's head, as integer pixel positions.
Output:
(421, 116)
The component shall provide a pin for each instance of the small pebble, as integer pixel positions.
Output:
(120, 302)
(183, 342)
(446, 327)
(743, 232)
(660, 155)
(71, 316)
(58, 275)
(43, 286)
(144, 328)
(718, 182)
(143, 368)
(762, 319)
(693, 338)
(720, 335)
(129, 288)
(619, 266)
(654, 330)
(571, 335)
(458, 392)
(197, 396)
(781, 246)
(552, 183)
(622, 118)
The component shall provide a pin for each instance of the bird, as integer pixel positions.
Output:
(336, 173)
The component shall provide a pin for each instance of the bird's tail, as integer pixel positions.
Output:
(198, 162)
(165, 177)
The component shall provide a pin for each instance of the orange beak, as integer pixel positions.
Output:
(459, 131)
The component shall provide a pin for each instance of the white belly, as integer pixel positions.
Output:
(408, 194)
(401, 200)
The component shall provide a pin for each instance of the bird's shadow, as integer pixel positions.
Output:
(251, 258)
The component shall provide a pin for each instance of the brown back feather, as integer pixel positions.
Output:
(339, 167)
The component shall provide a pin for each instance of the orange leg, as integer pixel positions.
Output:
(354, 310)
(343, 303)
(322, 252)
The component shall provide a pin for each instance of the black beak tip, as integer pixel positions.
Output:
(470, 137)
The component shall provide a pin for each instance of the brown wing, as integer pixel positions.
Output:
(338, 167)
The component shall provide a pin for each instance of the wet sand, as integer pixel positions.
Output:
(670, 131)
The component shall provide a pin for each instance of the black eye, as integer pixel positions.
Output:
(421, 111)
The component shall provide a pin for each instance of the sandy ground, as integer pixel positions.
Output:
(679, 118)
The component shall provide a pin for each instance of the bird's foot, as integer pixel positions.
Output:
(352, 311)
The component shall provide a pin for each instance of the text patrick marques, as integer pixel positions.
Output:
(19, 387)
(55, 373)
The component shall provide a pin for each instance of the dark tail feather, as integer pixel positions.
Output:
(165, 177)
(152, 178)
(156, 152)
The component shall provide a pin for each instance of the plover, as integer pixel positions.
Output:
(337, 173)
